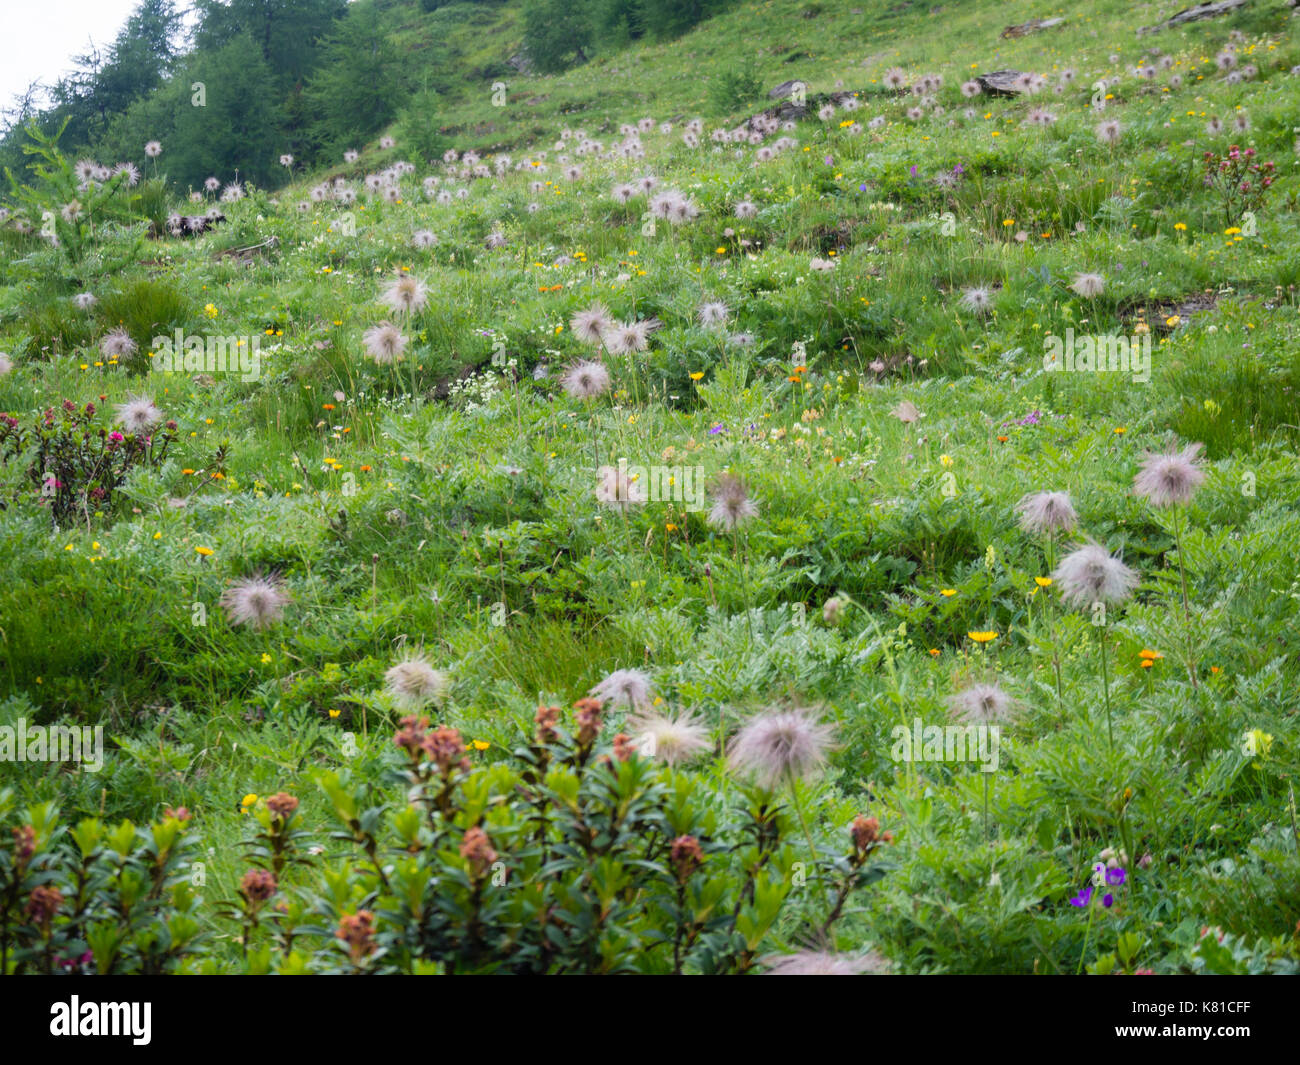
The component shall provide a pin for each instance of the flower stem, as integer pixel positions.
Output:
(1187, 610)
(798, 808)
(1105, 682)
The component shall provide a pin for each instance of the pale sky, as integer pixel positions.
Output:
(39, 37)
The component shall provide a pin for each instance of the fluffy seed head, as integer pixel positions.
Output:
(586, 379)
(982, 704)
(1171, 478)
(623, 338)
(1089, 286)
(906, 412)
(614, 488)
(117, 344)
(413, 682)
(1092, 574)
(257, 602)
(405, 295)
(977, 299)
(624, 687)
(671, 740)
(731, 505)
(824, 963)
(778, 745)
(1109, 132)
(384, 342)
(713, 315)
(1047, 513)
(590, 324)
(138, 414)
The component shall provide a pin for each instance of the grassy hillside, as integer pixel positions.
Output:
(853, 312)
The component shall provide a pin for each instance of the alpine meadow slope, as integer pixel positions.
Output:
(762, 496)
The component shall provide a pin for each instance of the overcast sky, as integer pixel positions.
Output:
(40, 37)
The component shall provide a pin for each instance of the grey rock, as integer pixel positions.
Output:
(1196, 14)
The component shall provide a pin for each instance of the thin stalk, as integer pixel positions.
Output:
(1187, 610)
(798, 808)
(1105, 682)
(987, 833)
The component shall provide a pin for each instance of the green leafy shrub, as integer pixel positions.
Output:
(66, 209)
(93, 898)
(577, 858)
(145, 308)
(77, 465)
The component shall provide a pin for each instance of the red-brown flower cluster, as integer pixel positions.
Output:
(282, 805)
(476, 849)
(686, 856)
(590, 717)
(258, 885)
(867, 835)
(547, 717)
(357, 930)
(443, 746)
(43, 903)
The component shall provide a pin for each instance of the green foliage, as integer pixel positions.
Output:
(145, 307)
(93, 898)
(236, 131)
(445, 504)
(735, 87)
(575, 859)
(74, 465)
(557, 34)
(66, 208)
(356, 90)
(105, 85)
(420, 127)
